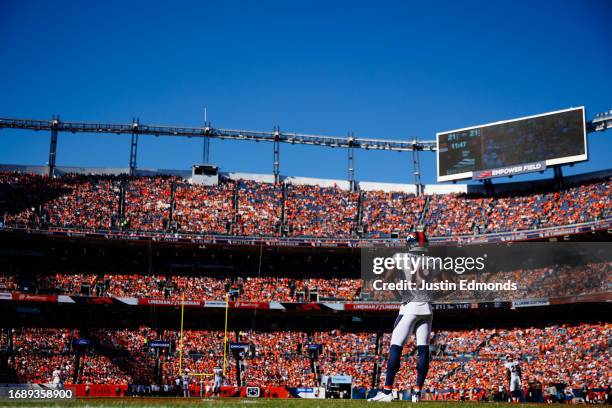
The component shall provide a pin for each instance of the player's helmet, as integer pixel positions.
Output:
(417, 241)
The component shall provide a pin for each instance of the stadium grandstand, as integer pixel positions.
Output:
(309, 209)
(306, 204)
(99, 263)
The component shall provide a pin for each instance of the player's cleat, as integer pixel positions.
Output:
(381, 397)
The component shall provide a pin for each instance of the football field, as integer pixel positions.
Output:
(233, 402)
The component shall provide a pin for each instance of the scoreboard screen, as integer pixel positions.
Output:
(512, 146)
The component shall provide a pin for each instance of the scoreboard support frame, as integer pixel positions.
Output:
(558, 176)
(488, 185)
(416, 170)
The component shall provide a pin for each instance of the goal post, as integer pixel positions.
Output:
(180, 368)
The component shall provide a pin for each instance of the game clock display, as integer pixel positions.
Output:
(553, 138)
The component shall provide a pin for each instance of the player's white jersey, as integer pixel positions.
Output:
(218, 377)
(185, 381)
(57, 377)
(514, 369)
(414, 268)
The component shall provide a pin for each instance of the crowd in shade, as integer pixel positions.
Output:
(452, 214)
(38, 352)
(321, 211)
(191, 287)
(75, 201)
(467, 362)
(249, 208)
(389, 213)
(550, 281)
(259, 210)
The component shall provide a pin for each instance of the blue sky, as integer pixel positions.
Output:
(379, 69)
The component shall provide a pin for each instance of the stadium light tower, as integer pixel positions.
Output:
(53, 145)
(206, 142)
(206, 150)
(416, 167)
(276, 155)
(351, 160)
(134, 145)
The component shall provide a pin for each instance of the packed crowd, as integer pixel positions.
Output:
(315, 211)
(147, 203)
(469, 360)
(550, 281)
(192, 287)
(574, 355)
(93, 202)
(38, 352)
(545, 282)
(70, 201)
(259, 210)
(390, 213)
(204, 209)
(249, 208)
(453, 214)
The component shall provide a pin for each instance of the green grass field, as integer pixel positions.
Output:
(233, 402)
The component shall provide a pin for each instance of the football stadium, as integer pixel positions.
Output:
(251, 264)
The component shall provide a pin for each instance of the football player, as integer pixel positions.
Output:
(513, 370)
(415, 316)
(57, 378)
(218, 378)
(185, 383)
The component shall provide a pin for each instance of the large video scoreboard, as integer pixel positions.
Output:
(513, 146)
